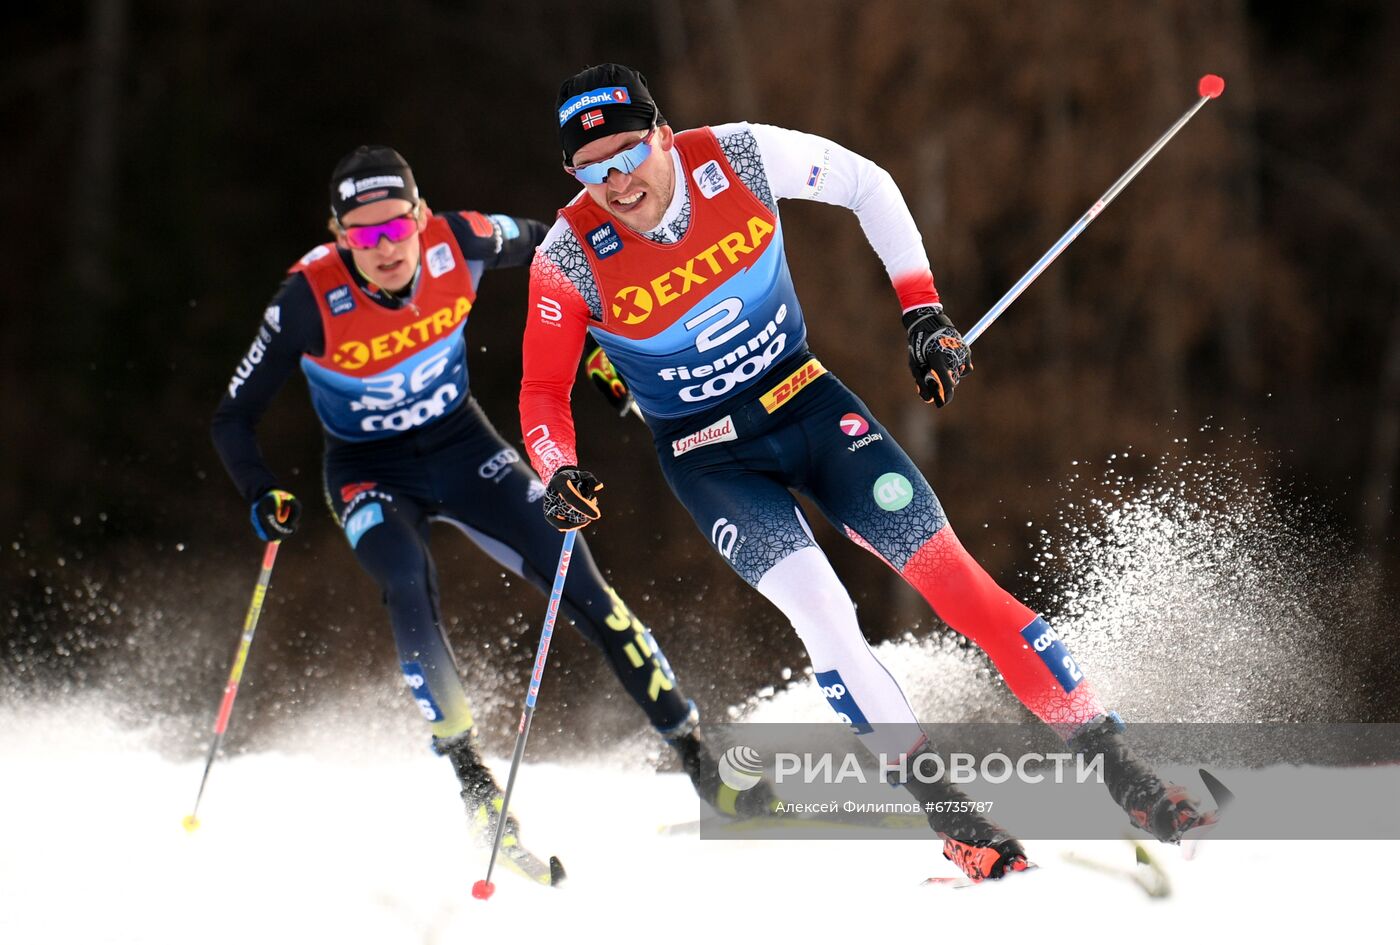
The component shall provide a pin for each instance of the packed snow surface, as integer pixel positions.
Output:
(362, 843)
(1191, 592)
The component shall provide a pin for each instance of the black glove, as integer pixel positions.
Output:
(938, 358)
(569, 501)
(606, 379)
(275, 515)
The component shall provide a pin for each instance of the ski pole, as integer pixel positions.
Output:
(483, 888)
(250, 623)
(1209, 87)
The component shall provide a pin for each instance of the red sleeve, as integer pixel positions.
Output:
(914, 289)
(554, 331)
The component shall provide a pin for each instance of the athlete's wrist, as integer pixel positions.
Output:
(915, 290)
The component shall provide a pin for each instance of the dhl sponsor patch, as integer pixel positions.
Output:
(789, 386)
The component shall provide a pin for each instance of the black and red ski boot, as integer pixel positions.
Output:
(990, 858)
(1165, 810)
(975, 845)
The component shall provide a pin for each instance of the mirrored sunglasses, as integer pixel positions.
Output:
(625, 161)
(395, 231)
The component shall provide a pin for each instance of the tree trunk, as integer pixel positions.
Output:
(95, 167)
(733, 52)
(1378, 236)
(1236, 330)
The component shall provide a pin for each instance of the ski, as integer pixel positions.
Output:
(523, 862)
(767, 824)
(515, 854)
(1147, 872)
(755, 825)
(1223, 797)
(964, 882)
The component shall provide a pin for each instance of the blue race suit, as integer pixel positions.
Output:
(406, 445)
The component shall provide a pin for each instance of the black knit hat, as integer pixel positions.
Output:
(601, 101)
(368, 174)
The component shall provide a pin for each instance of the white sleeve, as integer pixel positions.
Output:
(809, 167)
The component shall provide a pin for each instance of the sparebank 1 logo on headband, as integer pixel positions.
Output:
(614, 95)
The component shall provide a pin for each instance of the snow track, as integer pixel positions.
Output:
(373, 848)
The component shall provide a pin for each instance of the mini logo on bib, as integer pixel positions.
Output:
(604, 241)
(340, 300)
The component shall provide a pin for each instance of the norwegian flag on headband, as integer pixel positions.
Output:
(593, 118)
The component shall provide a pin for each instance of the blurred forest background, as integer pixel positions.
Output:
(167, 160)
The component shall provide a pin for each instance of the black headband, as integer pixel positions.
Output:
(601, 101)
(368, 174)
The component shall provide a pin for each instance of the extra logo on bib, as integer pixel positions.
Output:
(710, 179)
(722, 259)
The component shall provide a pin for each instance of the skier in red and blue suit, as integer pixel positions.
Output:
(376, 320)
(673, 259)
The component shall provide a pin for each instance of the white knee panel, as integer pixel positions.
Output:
(856, 684)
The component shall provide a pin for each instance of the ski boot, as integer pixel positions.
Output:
(1166, 811)
(977, 846)
(484, 802)
(703, 770)
(480, 792)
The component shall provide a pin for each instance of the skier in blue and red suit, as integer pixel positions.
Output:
(376, 320)
(672, 257)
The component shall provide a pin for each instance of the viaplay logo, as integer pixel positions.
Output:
(853, 424)
(740, 767)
